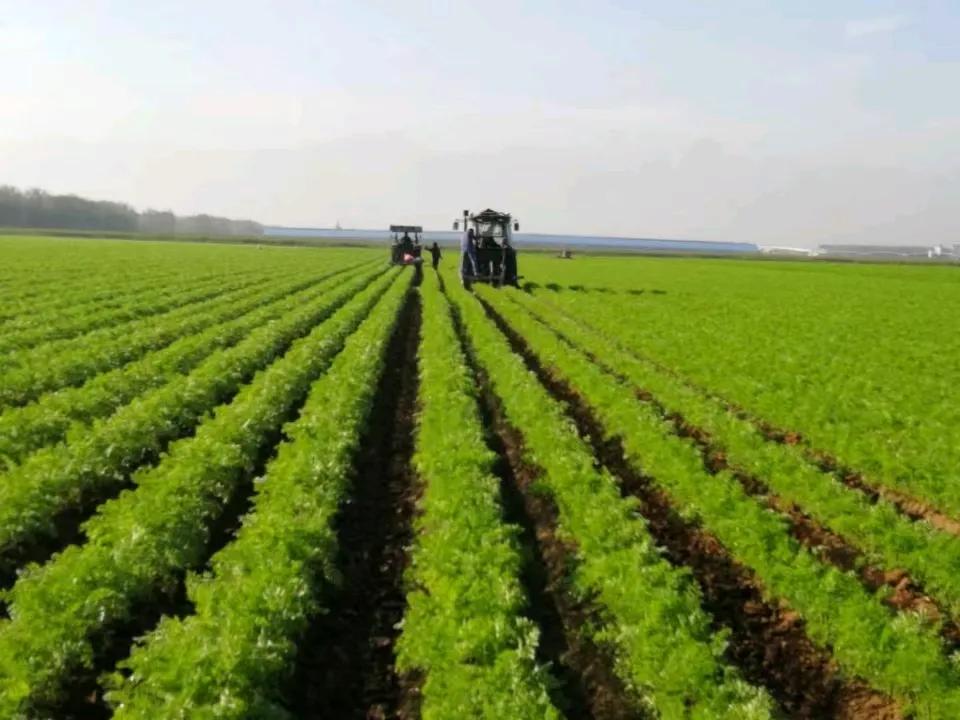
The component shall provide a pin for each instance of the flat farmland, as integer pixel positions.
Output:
(266, 482)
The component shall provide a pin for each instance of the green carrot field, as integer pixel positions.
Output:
(272, 482)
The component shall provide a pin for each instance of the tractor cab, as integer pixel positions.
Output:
(488, 254)
(406, 248)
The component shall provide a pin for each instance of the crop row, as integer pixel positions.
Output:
(230, 657)
(98, 460)
(464, 630)
(850, 367)
(32, 352)
(899, 654)
(146, 538)
(38, 302)
(664, 645)
(874, 525)
(46, 421)
(70, 324)
(885, 459)
(70, 362)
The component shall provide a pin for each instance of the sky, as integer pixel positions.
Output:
(779, 123)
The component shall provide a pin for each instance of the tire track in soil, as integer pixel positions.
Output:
(907, 505)
(587, 685)
(767, 642)
(345, 669)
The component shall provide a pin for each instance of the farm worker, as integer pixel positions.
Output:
(468, 255)
(407, 244)
(435, 253)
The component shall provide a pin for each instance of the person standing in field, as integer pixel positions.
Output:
(468, 256)
(435, 254)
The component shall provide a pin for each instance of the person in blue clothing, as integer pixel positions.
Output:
(468, 256)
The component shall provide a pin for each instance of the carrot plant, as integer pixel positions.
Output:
(900, 655)
(665, 649)
(51, 366)
(146, 538)
(874, 525)
(47, 421)
(98, 459)
(464, 630)
(230, 658)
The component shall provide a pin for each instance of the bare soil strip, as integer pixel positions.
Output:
(909, 506)
(768, 642)
(587, 684)
(345, 669)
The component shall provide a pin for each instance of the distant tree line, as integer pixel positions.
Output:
(40, 209)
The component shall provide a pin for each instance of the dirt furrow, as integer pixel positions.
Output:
(345, 667)
(768, 642)
(906, 593)
(907, 505)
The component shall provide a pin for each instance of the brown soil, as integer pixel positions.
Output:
(904, 593)
(911, 507)
(589, 688)
(345, 668)
(768, 642)
(586, 684)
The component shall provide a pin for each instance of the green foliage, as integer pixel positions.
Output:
(111, 351)
(874, 525)
(117, 316)
(856, 357)
(464, 628)
(229, 658)
(99, 458)
(898, 654)
(141, 541)
(47, 421)
(665, 649)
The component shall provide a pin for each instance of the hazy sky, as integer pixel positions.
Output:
(772, 122)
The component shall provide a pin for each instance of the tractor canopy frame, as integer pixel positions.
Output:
(406, 250)
(490, 257)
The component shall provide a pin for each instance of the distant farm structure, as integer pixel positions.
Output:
(946, 252)
(867, 252)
